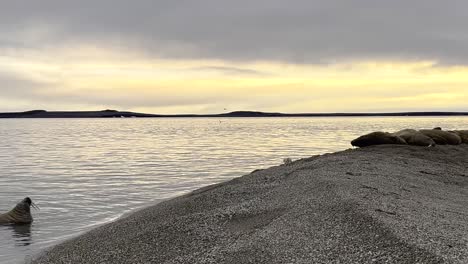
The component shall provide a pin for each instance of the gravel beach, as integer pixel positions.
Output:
(380, 204)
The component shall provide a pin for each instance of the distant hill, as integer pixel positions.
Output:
(73, 114)
(114, 113)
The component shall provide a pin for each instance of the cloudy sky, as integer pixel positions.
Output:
(204, 56)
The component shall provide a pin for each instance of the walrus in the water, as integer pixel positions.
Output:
(377, 138)
(21, 214)
(463, 134)
(442, 137)
(416, 138)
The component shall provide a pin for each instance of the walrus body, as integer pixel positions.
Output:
(377, 138)
(21, 214)
(463, 134)
(414, 137)
(442, 137)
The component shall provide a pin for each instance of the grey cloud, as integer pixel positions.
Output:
(300, 31)
(15, 86)
(232, 71)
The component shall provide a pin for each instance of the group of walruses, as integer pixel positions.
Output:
(423, 137)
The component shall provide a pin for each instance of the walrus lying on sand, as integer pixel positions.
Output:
(463, 134)
(442, 137)
(21, 214)
(423, 137)
(377, 138)
(415, 138)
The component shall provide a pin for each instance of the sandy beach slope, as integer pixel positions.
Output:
(381, 204)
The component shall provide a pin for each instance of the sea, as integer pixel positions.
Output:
(83, 173)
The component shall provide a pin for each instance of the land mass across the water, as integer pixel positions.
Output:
(117, 114)
(378, 204)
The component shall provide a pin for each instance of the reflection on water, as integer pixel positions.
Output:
(85, 172)
(16, 243)
(21, 234)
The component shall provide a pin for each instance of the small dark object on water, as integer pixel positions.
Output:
(20, 214)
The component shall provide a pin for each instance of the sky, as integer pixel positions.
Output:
(212, 56)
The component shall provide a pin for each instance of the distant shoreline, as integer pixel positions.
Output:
(119, 114)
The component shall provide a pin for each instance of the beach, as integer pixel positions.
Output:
(379, 204)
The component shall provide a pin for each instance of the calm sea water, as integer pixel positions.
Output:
(85, 172)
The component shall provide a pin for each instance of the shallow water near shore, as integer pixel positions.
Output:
(85, 172)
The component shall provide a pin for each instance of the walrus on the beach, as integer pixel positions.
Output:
(377, 138)
(463, 134)
(442, 137)
(414, 137)
(21, 214)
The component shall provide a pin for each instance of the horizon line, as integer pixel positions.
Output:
(242, 113)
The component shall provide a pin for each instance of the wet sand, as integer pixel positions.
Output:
(380, 204)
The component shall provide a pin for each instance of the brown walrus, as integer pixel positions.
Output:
(414, 137)
(463, 134)
(442, 137)
(21, 214)
(377, 138)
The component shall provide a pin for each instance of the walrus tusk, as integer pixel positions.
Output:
(35, 206)
(20, 214)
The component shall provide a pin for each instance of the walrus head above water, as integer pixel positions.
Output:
(28, 201)
(20, 214)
